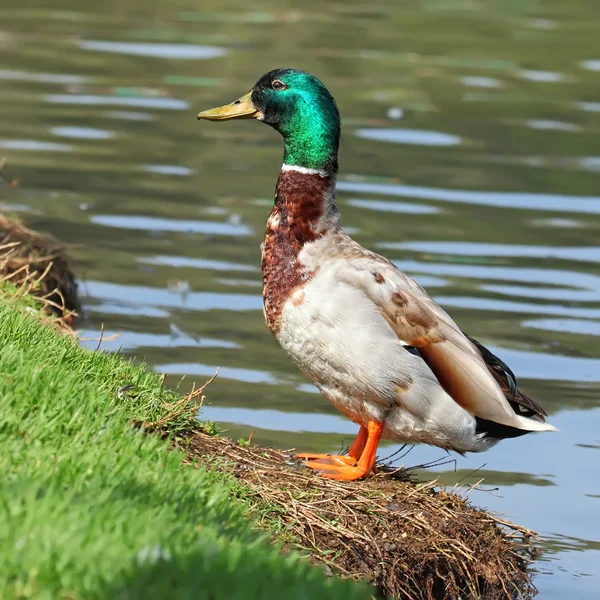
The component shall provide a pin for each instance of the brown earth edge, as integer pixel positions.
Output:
(412, 540)
(36, 263)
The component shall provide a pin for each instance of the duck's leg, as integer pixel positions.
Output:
(358, 445)
(365, 464)
(354, 452)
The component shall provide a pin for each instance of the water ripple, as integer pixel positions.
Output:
(482, 82)
(566, 294)
(588, 106)
(591, 65)
(538, 365)
(416, 137)
(541, 76)
(245, 375)
(512, 306)
(393, 207)
(521, 200)
(276, 420)
(551, 125)
(134, 295)
(84, 133)
(173, 51)
(59, 78)
(178, 170)
(158, 102)
(34, 145)
(176, 225)
(196, 263)
(477, 249)
(573, 279)
(576, 326)
(129, 340)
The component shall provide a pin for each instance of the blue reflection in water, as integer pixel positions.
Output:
(34, 146)
(417, 137)
(522, 200)
(195, 368)
(586, 253)
(158, 102)
(155, 50)
(394, 207)
(180, 225)
(140, 295)
(196, 263)
(129, 340)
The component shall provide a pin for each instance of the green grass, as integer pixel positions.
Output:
(93, 507)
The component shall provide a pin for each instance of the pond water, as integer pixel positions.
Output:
(470, 157)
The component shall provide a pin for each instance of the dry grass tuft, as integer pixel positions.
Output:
(413, 541)
(36, 264)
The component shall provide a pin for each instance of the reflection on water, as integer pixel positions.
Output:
(168, 170)
(542, 76)
(483, 82)
(197, 263)
(154, 224)
(520, 200)
(239, 375)
(565, 325)
(60, 78)
(387, 206)
(589, 106)
(177, 51)
(84, 133)
(470, 158)
(203, 301)
(139, 102)
(589, 254)
(548, 124)
(34, 145)
(591, 65)
(416, 137)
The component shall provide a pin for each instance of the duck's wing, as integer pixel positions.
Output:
(469, 373)
(507, 381)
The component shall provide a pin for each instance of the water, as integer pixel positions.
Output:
(470, 157)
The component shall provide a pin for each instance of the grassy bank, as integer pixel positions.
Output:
(91, 506)
(111, 488)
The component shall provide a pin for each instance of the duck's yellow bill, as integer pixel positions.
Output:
(243, 108)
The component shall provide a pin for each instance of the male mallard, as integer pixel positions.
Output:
(368, 336)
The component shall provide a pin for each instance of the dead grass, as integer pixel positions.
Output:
(35, 263)
(413, 541)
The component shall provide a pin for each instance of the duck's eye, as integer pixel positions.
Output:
(278, 85)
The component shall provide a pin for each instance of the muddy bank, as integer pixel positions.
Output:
(37, 262)
(411, 540)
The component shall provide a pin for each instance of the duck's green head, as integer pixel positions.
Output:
(300, 107)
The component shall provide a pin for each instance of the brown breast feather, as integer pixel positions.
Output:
(300, 200)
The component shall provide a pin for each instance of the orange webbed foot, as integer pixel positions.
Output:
(327, 459)
(359, 462)
(340, 472)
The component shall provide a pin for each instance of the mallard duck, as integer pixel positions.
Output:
(366, 334)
